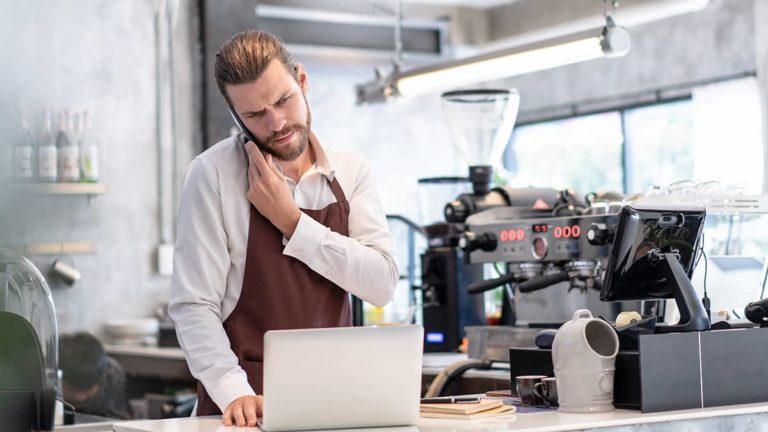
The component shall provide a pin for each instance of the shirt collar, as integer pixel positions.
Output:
(322, 164)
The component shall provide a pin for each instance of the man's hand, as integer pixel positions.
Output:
(269, 193)
(244, 411)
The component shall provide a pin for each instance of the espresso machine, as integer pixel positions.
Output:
(535, 238)
(28, 346)
(480, 123)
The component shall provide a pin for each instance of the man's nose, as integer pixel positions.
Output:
(276, 121)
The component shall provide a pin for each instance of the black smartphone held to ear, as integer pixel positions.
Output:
(241, 125)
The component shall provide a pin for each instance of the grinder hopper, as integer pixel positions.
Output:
(480, 123)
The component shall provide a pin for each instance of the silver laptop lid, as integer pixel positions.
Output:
(342, 377)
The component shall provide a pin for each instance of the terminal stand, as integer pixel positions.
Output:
(693, 317)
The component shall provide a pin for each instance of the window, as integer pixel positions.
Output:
(659, 148)
(716, 135)
(582, 153)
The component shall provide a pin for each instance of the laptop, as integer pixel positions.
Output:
(349, 377)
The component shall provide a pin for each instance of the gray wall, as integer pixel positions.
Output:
(716, 42)
(97, 55)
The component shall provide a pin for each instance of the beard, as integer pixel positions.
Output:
(291, 152)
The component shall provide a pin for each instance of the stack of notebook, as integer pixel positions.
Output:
(466, 411)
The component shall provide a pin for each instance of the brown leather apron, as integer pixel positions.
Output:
(280, 292)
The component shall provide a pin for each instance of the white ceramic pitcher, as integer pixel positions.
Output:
(584, 356)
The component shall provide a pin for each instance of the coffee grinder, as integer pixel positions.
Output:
(29, 381)
(480, 123)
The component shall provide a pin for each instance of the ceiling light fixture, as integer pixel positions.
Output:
(610, 41)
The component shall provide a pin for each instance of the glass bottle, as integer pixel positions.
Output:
(47, 154)
(69, 152)
(89, 152)
(22, 153)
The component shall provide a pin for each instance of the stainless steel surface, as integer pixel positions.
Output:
(493, 342)
(562, 238)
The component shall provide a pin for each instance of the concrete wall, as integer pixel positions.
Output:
(404, 141)
(716, 42)
(97, 55)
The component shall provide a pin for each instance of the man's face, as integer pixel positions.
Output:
(77, 396)
(274, 108)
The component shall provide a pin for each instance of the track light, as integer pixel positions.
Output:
(610, 41)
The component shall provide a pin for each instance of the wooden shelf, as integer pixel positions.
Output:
(56, 248)
(61, 188)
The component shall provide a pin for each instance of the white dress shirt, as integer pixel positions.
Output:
(212, 238)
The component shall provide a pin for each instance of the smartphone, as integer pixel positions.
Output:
(242, 127)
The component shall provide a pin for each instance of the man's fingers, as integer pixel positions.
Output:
(227, 417)
(273, 167)
(250, 409)
(252, 151)
(260, 405)
(253, 174)
(256, 158)
(237, 412)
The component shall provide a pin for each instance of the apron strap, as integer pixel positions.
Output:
(337, 191)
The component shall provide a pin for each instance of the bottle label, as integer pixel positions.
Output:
(23, 162)
(69, 158)
(90, 163)
(47, 168)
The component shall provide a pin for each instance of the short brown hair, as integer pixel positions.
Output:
(243, 59)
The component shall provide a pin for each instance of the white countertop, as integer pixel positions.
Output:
(146, 351)
(431, 360)
(534, 422)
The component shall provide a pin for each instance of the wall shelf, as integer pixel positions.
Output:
(55, 248)
(61, 188)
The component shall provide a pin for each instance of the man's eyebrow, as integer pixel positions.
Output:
(261, 111)
(283, 96)
(245, 113)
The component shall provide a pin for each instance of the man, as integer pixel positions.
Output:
(93, 383)
(272, 234)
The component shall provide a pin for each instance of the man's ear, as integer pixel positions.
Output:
(301, 77)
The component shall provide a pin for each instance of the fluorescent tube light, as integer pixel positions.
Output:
(501, 65)
(610, 41)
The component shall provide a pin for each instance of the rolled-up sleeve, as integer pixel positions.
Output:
(201, 263)
(364, 263)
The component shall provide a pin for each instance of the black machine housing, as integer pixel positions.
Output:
(653, 257)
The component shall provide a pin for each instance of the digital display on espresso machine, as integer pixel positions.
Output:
(512, 235)
(494, 238)
(566, 232)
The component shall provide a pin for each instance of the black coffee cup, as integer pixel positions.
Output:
(524, 385)
(546, 390)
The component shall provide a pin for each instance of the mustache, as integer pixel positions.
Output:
(285, 131)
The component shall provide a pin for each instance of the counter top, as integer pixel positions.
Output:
(168, 362)
(144, 351)
(431, 360)
(534, 422)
